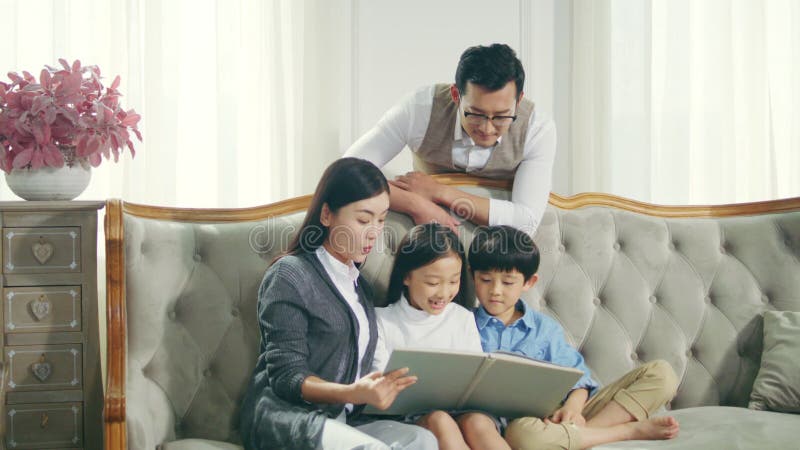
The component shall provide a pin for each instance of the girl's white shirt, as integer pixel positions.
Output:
(402, 325)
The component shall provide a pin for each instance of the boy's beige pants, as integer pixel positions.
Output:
(641, 392)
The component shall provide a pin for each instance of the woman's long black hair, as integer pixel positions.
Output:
(345, 181)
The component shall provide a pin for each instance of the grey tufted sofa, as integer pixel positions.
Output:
(630, 282)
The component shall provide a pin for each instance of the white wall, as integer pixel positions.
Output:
(396, 47)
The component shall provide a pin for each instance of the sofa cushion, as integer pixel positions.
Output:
(777, 385)
(702, 428)
(198, 444)
(721, 427)
(192, 330)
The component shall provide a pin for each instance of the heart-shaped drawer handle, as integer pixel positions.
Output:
(43, 250)
(42, 369)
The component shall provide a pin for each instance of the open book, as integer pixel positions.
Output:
(504, 384)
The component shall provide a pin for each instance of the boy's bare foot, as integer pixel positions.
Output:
(655, 428)
(651, 429)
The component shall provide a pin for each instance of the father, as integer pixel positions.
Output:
(480, 125)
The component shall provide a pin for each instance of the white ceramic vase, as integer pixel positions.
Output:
(49, 183)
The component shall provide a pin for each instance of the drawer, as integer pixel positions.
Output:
(44, 367)
(44, 425)
(42, 250)
(42, 309)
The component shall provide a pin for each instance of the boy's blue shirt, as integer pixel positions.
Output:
(534, 335)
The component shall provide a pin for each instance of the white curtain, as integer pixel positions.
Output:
(239, 98)
(221, 85)
(244, 102)
(684, 101)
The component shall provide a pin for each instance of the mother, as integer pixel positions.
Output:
(318, 329)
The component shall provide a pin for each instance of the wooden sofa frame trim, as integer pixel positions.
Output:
(115, 435)
(114, 415)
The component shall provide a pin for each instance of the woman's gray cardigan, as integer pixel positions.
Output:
(307, 328)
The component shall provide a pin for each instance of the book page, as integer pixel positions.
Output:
(476, 379)
(525, 359)
(518, 386)
(444, 376)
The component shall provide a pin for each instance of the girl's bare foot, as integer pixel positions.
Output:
(655, 428)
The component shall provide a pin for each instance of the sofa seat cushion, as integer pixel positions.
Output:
(706, 427)
(718, 427)
(199, 444)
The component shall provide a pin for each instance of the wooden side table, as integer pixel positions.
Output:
(53, 385)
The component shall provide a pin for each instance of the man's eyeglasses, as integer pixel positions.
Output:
(480, 119)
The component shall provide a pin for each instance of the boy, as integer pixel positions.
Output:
(504, 261)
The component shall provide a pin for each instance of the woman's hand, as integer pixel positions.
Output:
(380, 389)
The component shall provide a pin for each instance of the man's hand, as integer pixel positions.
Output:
(426, 211)
(421, 184)
(566, 414)
(380, 389)
(420, 209)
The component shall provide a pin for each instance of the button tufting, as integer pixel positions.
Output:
(723, 249)
(689, 353)
(171, 315)
(765, 298)
(617, 246)
(197, 257)
(235, 312)
(207, 373)
(596, 301)
(708, 299)
(543, 301)
(562, 248)
(673, 246)
(653, 299)
(634, 356)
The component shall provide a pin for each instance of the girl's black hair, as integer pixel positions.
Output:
(423, 245)
(345, 181)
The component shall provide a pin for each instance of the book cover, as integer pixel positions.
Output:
(504, 384)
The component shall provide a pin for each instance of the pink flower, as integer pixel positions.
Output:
(42, 121)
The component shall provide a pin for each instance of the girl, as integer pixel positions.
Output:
(428, 309)
(318, 329)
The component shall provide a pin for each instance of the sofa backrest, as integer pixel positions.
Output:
(628, 287)
(192, 332)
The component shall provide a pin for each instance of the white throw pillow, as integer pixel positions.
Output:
(777, 386)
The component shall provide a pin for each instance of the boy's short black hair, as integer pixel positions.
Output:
(490, 67)
(503, 248)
